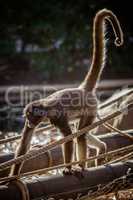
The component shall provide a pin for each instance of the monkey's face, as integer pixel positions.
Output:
(34, 114)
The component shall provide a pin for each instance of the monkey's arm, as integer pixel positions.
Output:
(23, 147)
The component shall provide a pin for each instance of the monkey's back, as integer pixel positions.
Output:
(72, 103)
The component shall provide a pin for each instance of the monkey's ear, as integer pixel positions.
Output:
(27, 121)
(25, 113)
(29, 124)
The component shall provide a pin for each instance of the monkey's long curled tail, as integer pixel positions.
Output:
(98, 58)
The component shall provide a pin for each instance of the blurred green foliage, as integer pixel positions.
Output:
(57, 35)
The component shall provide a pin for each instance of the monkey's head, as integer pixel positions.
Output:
(34, 114)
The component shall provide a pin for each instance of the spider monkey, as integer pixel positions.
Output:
(60, 107)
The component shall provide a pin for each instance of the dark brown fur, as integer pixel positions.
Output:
(62, 106)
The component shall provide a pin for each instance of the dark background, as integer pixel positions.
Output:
(51, 41)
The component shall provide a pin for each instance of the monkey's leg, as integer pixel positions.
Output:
(65, 129)
(82, 150)
(82, 141)
(100, 146)
(101, 149)
(23, 147)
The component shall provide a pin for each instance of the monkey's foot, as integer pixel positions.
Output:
(68, 171)
(78, 172)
